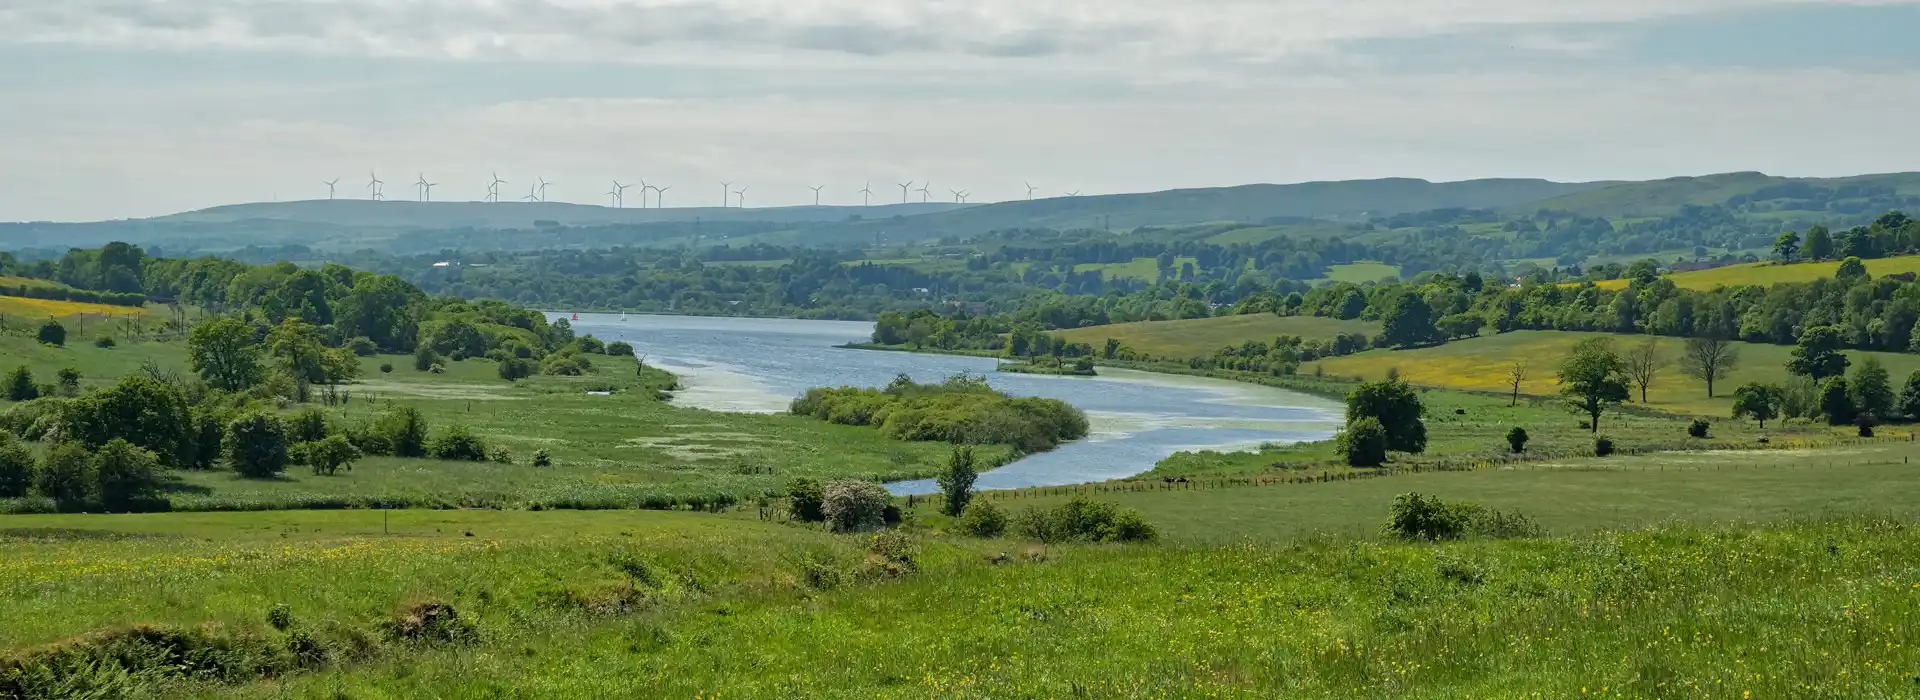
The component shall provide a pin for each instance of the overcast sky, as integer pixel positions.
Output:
(128, 108)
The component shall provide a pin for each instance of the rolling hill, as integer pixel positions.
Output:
(1666, 197)
(511, 215)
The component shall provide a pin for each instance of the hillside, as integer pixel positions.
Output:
(1767, 273)
(1778, 194)
(496, 215)
(1202, 336)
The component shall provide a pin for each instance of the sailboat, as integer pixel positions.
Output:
(623, 317)
(576, 317)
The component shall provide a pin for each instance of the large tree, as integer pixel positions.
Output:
(1818, 354)
(1871, 389)
(1709, 360)
(1408, 321)
(1760, 402)
(1787, 247)
(297, 350)
(1819, 243)
(1644, 363)
(1593, 378)
(144, 411)
(1397, 406)
(223, 351)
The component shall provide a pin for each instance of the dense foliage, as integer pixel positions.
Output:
(962, 410)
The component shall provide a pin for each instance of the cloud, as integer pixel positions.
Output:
(1241, 30)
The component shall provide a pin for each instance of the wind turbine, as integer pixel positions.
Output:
(426, 188)
(373, 186)
(613, 198)
(816, 194)
(330, 184)
(903, 190)
(866, 194)
(543, 188)
(742, 193)
(925, 193)
(660, 196)
(726, 190)
(1030, 189)
(493, 188)
(1074, 193)
(620, 195)
(643, 192)
(531, 197)
(961, 196)
(957, 194)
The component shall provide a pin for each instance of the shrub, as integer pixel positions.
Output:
(588, 343)
(20, 386)
(66, 475)
(52, 333)
(437, 368)
(459, 443)
(1698, 428)
(327, 455)
(208, 427)
(894, 553)
(429, 623)
(1084, 520)
(127, 477)
(309, 425)
(1517, 439)
(16, 467)
(620, 348)
(983, 519)
(852, 506)
(1602, 447)
(1364, 444)
(956, 482)
(256, 445)
(104, 342)
(1427, 518)
(362, 346)
(145, 411)
(369, 440)
(386, 368)
(405, 431)
(424, 358)
(563, 366)
(542, 459)
(69, 381)
(514, 369)
(805, 499)
(499, 455)
(1865, 422)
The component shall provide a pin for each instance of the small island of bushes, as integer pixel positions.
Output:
(1082, 367)
(962, 410)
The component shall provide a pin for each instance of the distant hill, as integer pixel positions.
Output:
(518, 215)
(1655, 198)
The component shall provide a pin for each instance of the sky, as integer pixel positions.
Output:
(133, 108)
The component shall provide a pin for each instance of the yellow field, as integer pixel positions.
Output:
(1481, 364)
(1766, 273)
(43, 308)
(9, 281)
(1202, 336)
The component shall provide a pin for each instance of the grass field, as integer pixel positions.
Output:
(1766, 273)
(41, 309)
(1481, 364)
(1203, 336)
(1358, 273)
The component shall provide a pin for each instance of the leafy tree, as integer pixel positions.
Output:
(1818, 354)
(620, 348)
(956, 481)
(147, 412)
(1800, 398)
(983, 519)
(1418, 517)
(328, 455)
(1593, 378)
(20, 386)
(300, 354)
(459, 443)
(514, 369)
(309, 425)
(380, 309)
(52, 333)
(1910, 397)
(1871, 389)
(1851, 270)
(1517, 439)
(424, 358)
(405, 429)
(1709, 360)
(853, 505)
(1643, 364)
(256, 445)
(1819, 243)
(127, 476)
(66, 475)
(1787, 246)
(1760, 402)
(1409, 321)
(69, 381)
(222, 350)
(804, 500)
(1397, 407)
(1836, 402)
(1364, 444)
(16, 467)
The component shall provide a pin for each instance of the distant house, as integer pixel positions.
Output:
(444, 263)
(1902, 276)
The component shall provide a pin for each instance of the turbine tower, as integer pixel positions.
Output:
(1074, 193)
(643, 192)
(903, 190)
(613, 198)
(330, 184)
(1030, 190)
(925, 191)
(620, 195)
(531, 197)
(742, 195)
(543, 189)
(816, 194)
(425, 188)
(493, 188)
(660, 196)
(373, 186)
(725, 191)
(866, 194)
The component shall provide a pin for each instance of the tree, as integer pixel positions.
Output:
(1364, 444)
(1517, 439)
(256, 445)
(1709, 360)
(458, 443)
(66, 475)
(69, 381)
(326, 456)
(405, 429)
(1787, 247)
(424, 358)
(223, 352)
(1459, 326)
(956, 482)
(1593, 378)
(620, 348)
(127, 477)
(52, 333)
(1643, 364)
(1819, 243)
(16, 467)
(20, 386)
(1760, 402)
(140, 409)
(1409, 321)
(1397, 406)
(983, 519)
(1516, 376)
(852, 506)
(1835, 401)
(1818, 354)
(1910, 397)
(1851, 270)
(1799, 398)
(804, 497)
(299, 353)
(514, 369)
(1871, 389)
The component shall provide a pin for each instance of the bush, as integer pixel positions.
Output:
(369, 440)
(145, 411)
(514, 369)
(853, 506)
(424, 358)
(620, 348)
(208, 427)
(459, 443)
(20, 386)
(563, 366)
(1865, 422)
(590, 344)
(69, 381)
(437, 368)
(104, 342)
(66, 475)
(956, 482)
(805, 499)
(894, 553)
(1517, 439)
(386, 368)
(499, 455)
(1427, 518)
(127, 477)
(256, 445)
(1084, 520)
(16, 467)
(983, 519)
(1602, 447)
(1364, 444)
(362, 346)
(1698, 428)
(405, 431)
(327, 455)
(307, 426)
(542, 459)
(52, 333)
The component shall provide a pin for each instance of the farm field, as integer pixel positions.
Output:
(1202, 336)
(21, 309)
(1143, 269)
(1766, 273)
(1358, 273)
(1481, 364)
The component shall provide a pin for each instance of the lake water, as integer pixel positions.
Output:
(1137, 418)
